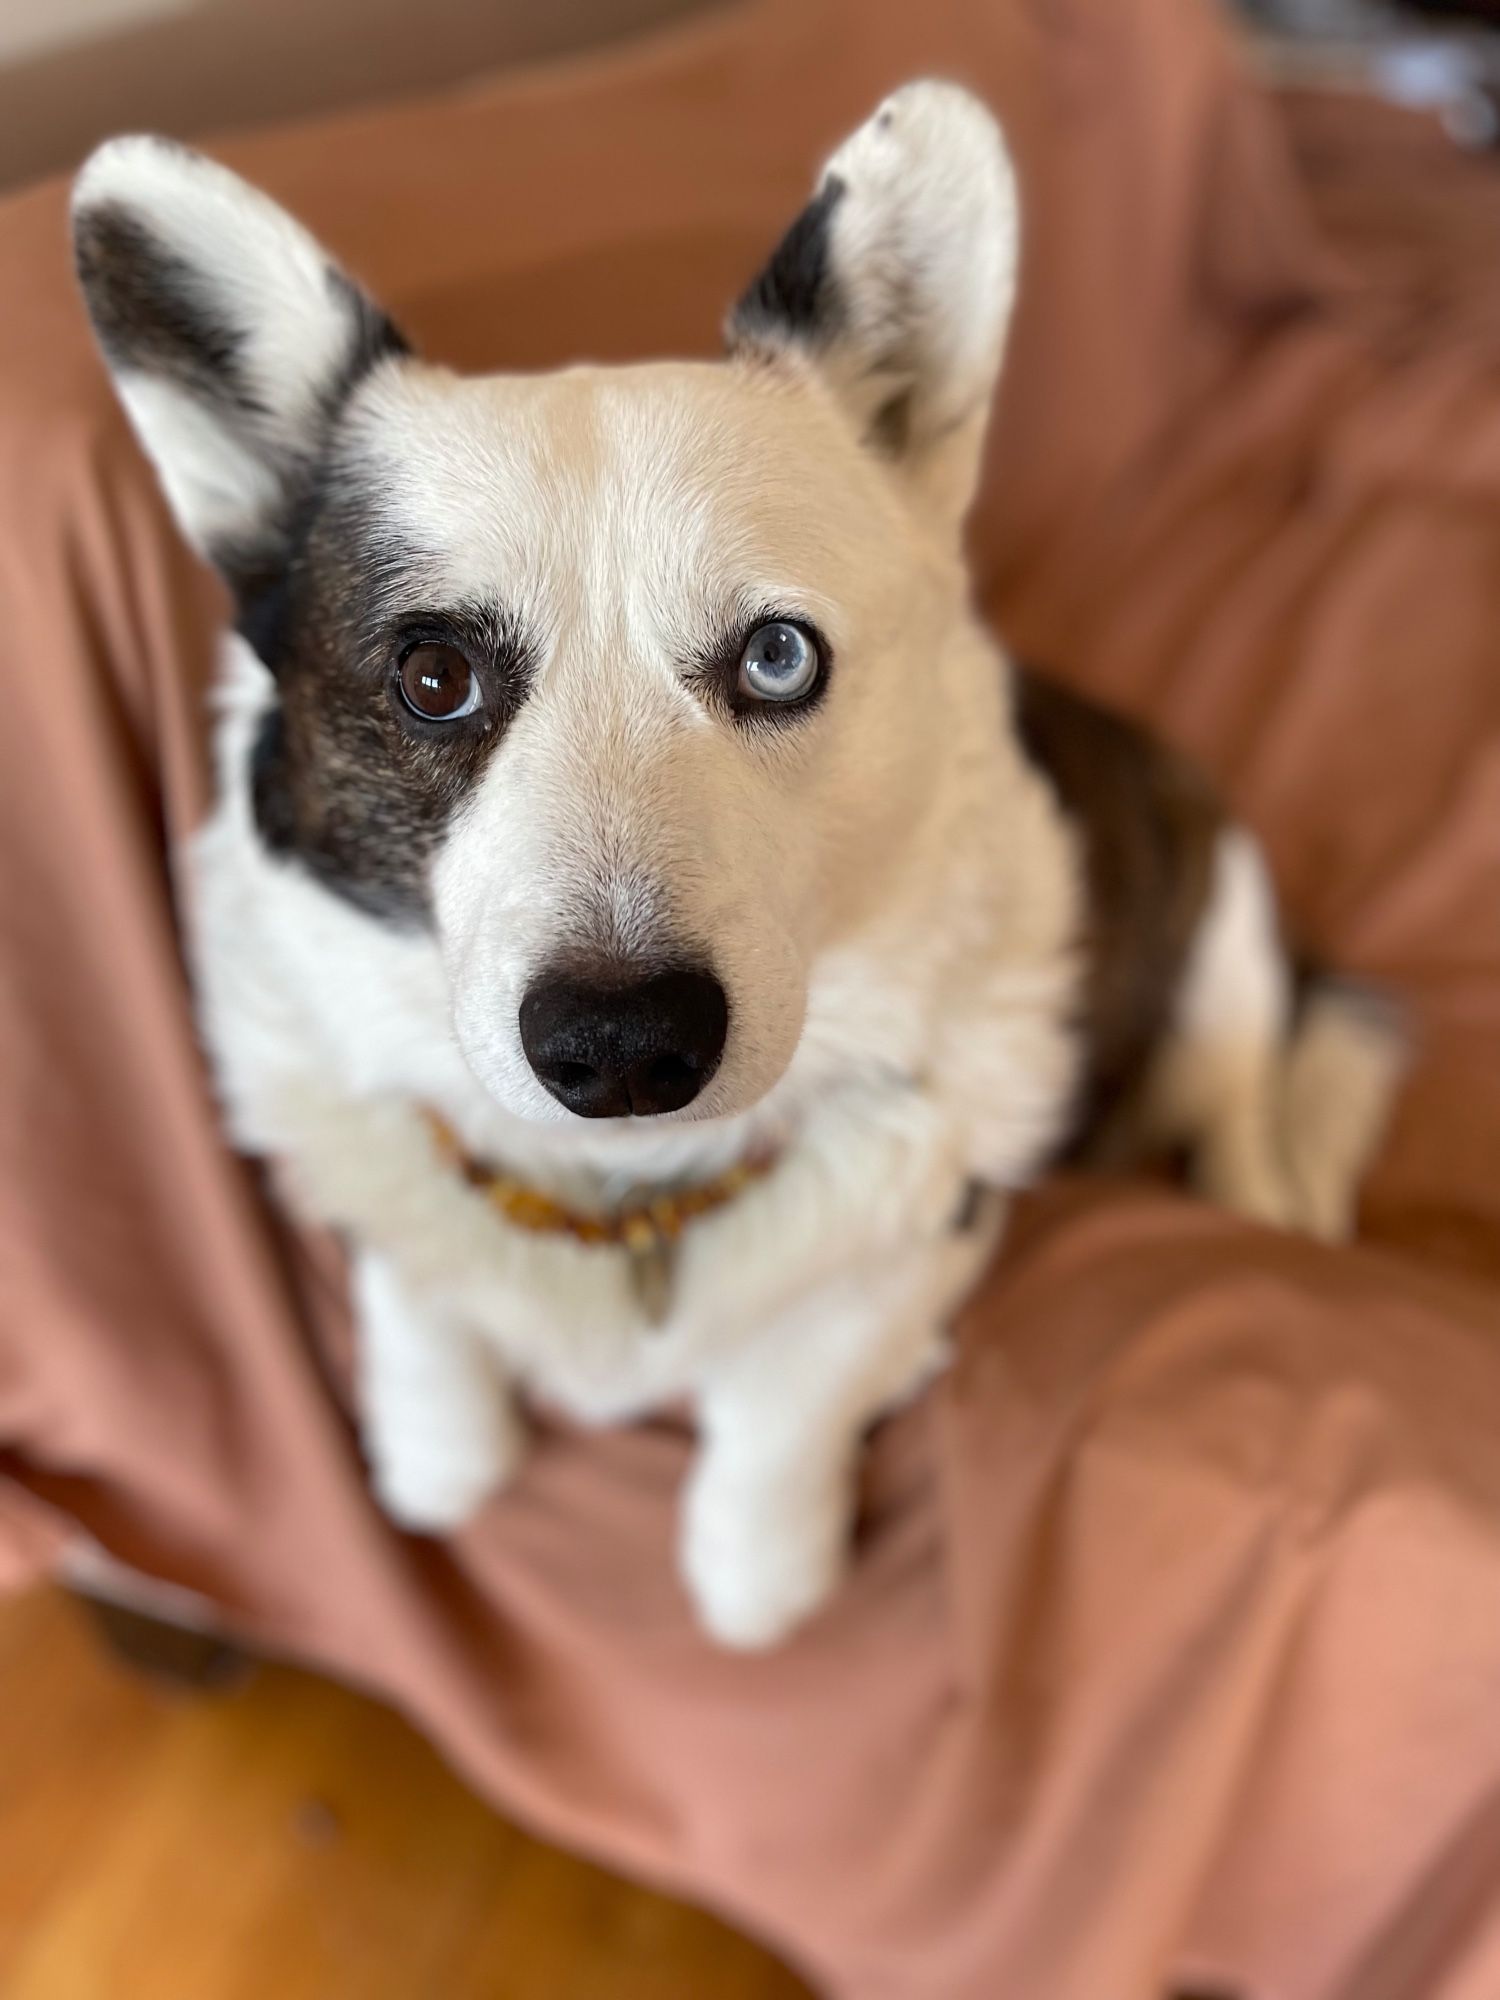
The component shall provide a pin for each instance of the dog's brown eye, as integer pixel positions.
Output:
(438, 683)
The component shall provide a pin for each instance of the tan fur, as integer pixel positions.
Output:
(1345, 1064)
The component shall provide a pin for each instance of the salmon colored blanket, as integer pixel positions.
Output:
(1172, 1656)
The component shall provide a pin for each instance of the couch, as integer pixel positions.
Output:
(1170, 1662)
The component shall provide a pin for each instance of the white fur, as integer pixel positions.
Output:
(926, 246)
(266, 279)
(1281, 1124)
(1219, 1072)
(439, 1422)
(887, 892)
(1340, 1078)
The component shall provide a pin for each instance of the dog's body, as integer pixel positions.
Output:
(865, 925)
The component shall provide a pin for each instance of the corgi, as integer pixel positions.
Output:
(644, 911)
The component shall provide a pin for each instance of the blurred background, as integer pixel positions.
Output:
(73, 71)
(164, 1800)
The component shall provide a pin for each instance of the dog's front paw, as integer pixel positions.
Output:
(432, 1476)
(756, 1567)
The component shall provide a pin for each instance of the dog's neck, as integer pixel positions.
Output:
(616, 1163)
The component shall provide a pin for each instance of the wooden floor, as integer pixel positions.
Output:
(291, 1841)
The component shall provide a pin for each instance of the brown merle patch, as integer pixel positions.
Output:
(344, 778)
(1148, 824)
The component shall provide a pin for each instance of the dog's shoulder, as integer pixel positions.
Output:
(1148, 825)
(1123, 786)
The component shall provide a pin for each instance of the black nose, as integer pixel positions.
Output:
(622, 1051)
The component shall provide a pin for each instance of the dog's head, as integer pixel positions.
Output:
(627, 684)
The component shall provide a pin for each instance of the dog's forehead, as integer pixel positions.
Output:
(664, 480)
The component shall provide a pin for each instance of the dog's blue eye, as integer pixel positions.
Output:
(779, 663)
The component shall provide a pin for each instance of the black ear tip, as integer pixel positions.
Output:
(375, 334)
(795, 296)
(139, 292)
(148, 310)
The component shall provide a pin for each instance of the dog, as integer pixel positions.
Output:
(644, 910)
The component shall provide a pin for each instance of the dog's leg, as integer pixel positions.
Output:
(440, 1426)
(770, 1504)
(1217, 1080)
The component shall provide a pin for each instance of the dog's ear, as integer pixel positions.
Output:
(896, 283)
(232, 338)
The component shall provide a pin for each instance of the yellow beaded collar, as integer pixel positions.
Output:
(646, 1230)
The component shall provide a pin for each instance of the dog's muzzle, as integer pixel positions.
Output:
(631, 1049)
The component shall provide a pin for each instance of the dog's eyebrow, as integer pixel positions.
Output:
(484, 629)
(722, 632)
(730, 620)
(389, 592)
